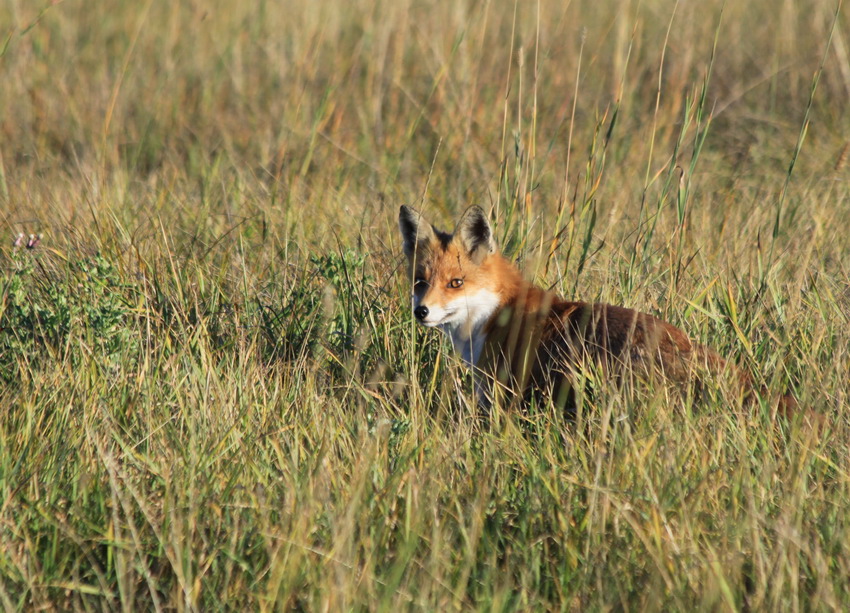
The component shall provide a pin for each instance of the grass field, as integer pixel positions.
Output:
(212, 393)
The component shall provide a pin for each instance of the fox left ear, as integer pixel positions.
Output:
(415, 231)
(475, 235)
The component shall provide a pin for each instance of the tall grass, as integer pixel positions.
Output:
(212, 395)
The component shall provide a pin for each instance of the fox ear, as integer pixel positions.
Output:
(475, 235)
(414, 230)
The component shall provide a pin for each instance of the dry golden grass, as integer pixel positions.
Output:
(212, 395)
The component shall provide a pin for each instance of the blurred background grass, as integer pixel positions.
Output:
(213, 396)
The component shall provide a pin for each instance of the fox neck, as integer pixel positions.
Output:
(468, 335)
(468, 343)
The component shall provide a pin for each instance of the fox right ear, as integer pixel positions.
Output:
(414, 229)
(474, 232)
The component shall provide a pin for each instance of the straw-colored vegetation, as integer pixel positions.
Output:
(212, 395)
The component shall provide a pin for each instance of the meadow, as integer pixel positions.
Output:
(212, 392)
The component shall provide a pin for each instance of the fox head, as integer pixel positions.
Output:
(459, 279)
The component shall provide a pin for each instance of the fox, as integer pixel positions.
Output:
(522, 341)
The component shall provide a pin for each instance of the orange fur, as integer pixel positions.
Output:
(524, 340)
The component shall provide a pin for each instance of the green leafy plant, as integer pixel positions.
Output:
(43, 312)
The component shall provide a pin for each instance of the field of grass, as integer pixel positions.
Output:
(212, 393)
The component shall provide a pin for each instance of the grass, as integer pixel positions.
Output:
(212, 395)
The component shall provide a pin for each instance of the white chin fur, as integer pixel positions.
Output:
(463, 318)
(464, 313)
(473, 310)
(436, 317)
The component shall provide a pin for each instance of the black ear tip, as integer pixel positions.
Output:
(407, 212)
(476, 213)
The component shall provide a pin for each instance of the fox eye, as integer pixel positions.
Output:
(420, 282)
(455, 283)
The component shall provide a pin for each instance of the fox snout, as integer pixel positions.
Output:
(423, 314)
(428, 316)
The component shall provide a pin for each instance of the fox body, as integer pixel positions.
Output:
(521, 340)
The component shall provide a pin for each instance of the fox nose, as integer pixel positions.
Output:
(421, 312)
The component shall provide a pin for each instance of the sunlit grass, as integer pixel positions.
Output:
(212, 395)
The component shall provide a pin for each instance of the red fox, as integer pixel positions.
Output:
(521, 340)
